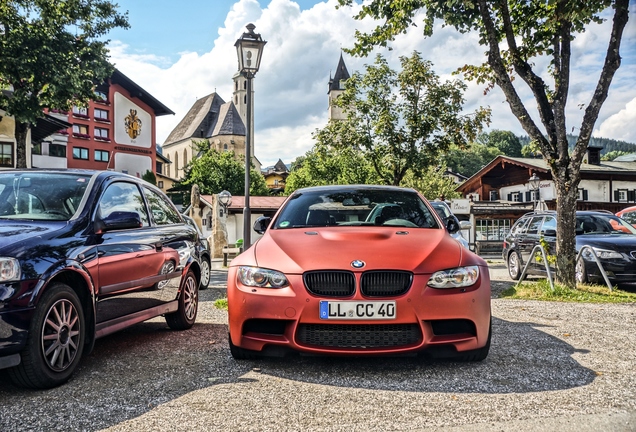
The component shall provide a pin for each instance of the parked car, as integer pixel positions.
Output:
(444, 211)
(84, 254)
(203, 253)
(612, 239)
(629, 214)
(326, 279)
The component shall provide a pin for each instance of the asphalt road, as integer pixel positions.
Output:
(552, 366)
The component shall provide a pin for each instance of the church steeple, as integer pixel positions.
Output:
(336, 88)
(239, 98)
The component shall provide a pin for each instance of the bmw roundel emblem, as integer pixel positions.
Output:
(357, 264)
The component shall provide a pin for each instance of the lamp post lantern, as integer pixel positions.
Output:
(225, 199)
(534, 181)
(249, 48)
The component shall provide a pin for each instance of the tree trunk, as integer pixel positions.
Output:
(567, 191)
(21, 132)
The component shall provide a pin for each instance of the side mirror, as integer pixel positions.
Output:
(452, 226)
(549, 233)
(117, 221)
(465, 225)
(261, 224)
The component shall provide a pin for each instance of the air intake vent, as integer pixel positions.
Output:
(359, 335)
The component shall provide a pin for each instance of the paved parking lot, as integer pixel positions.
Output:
(552, 366)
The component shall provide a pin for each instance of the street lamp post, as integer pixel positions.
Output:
(534, 181)
(249, 48)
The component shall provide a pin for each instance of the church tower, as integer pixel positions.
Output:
(336, 88)
(239, 97)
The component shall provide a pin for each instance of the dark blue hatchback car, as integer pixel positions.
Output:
(84, 254)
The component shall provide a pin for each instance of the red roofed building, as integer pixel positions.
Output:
(117, 130)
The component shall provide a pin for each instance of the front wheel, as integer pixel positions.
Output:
(514, 265)
(56, 339)
(239, 353)
(185, 316)
(480, 353)
(579, 271)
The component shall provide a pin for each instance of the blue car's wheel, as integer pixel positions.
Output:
(56, 340)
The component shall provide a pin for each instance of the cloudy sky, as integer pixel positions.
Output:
(183, 51)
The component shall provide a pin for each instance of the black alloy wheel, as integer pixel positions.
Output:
(56, 340)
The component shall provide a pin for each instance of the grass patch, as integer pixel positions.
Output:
(221, 304)
(541, 290)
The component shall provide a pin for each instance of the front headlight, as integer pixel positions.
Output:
(454, 278)
(9, 269)
(263, 278)
(602, 254)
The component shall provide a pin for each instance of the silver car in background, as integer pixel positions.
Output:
(444, 211)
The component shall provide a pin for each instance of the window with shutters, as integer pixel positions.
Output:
(515, 197)
(582, 194)
(620, 195)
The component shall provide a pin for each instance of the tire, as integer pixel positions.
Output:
(185, 316)
(55, 342)
(514, 265)
(479, 354)
(580, 274)
(239, 353)
(205, 273)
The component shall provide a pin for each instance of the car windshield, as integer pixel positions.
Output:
(351, 207)
(442, 209)
(630, 217)
(599, 223)
(41, 196)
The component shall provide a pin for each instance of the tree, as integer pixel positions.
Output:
(150, 177)
(324, 164)
(401, 121)
(433, 183)
(610, 156)
(216, 171)
(469, 160)
(531, 150)
(52, 57)
(507, 142)
(517, 33)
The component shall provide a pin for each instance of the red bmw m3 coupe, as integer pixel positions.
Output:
(358, 270)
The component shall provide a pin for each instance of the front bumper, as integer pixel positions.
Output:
(14, 325)
(618, 270)
(426, 318)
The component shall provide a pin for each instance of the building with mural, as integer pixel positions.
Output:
(116, 130)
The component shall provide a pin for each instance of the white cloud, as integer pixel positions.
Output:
(620, 125)
(303, 49)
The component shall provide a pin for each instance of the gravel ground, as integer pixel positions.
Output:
(552, 366)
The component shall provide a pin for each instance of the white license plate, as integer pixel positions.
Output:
(352, 310)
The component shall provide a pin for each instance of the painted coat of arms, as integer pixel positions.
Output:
(133, 124)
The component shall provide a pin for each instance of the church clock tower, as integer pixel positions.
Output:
(239, 97)
(336, 88)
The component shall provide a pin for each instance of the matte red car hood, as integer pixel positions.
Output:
(412, 249)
